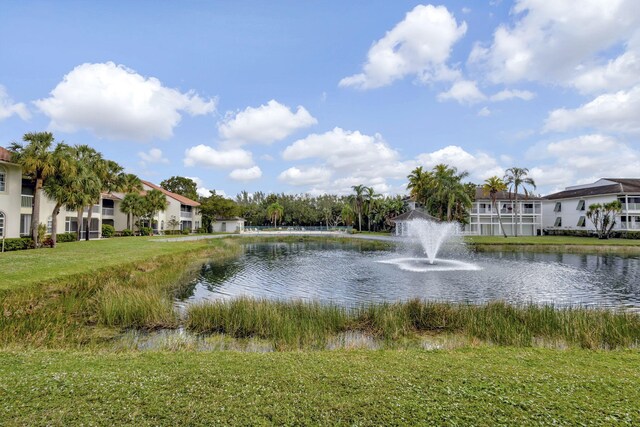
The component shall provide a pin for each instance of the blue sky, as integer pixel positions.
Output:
(314, 97)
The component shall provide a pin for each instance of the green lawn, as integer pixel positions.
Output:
(549, 240)
(22, 268)
(481, 386)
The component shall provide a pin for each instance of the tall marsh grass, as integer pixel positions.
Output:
(298, 324)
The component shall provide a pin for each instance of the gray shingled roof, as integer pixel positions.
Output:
(621, 186)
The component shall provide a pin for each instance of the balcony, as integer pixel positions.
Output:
(108, 211)
(185, 214)
(631, 207)
(26, 201)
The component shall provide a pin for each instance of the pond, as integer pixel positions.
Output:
(350, 274)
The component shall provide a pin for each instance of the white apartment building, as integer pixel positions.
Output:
(483, 218)
(16, 202)
(566, 210)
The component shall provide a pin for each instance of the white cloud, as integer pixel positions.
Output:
(343, 149)
(203, 155)
(264, 124)
(480, 165)
(463, 91)
(616, 112)
(507, 94)
(419, 45)
(557, 41)
(309, 176)
(154, 155)
(484, 112)
(582, 159)
(115, 102)
(246, 174)
(8, 108)
(202, 189)
(618, 73)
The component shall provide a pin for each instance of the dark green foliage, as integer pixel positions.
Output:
(18, 244)
(126, 232)
(66, 237)
(146, 231)
(108, 230)
(180, 185)
(186, 231)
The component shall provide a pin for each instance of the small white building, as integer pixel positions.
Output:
(566, 210)
(228, 225)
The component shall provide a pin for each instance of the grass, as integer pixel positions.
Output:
(89, 308)
(550, 240)
(310, 325)
(483, 386)
(24, 268)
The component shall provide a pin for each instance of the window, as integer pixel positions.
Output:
(558, 222)
(580, 205)
(1, 224)
(162, 225)
(197, 224)
(25, 224)
(581, 221)
(3, 181)
(558, 207)
(49, 225)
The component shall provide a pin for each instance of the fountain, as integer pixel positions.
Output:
(431, 235)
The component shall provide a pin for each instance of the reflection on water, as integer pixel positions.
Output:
(346, 274)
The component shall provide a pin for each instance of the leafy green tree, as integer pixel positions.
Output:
(603, 217)
(419, 181)
(491, 187)
(516, 178)
(37, 161)
(275, 211)
(181, 185)
(347, 213)
(173, 223)
(216, 206)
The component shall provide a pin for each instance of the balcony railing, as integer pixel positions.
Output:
(185, 214)
(631, 206)
(107, 211)
(26, 201)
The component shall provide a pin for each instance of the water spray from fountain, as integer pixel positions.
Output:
(431, 235)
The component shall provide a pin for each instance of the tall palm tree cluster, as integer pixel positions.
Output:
(71, 176)
(442, 192)
(515, 179)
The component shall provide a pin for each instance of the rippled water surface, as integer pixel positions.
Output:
(346, 274)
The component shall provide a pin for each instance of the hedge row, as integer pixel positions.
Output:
(616, 234)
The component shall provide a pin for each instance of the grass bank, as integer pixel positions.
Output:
(485, 386)
(567, 244)
(85, 308)
(309, 325)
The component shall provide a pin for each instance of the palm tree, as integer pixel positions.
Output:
(58, 186)
(492, 186)
(130, 183)
(130, 205)
(156, 202)
(37, 161)
(347, 214)
(418, 184)
(371, 198)
(358, 202)
(275, 211)
(516, 178)
(448, 189)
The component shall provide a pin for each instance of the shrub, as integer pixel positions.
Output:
(146, 231)
(65, 237)
(126, 232)
(186, 231)
(108, 230)
(201, 230)
(18, 244)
